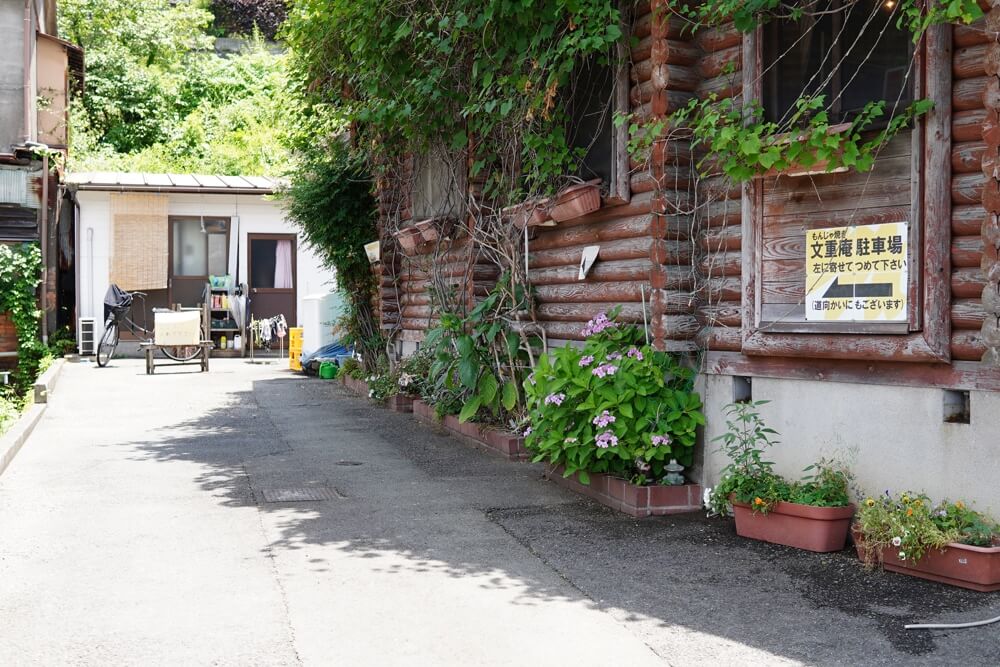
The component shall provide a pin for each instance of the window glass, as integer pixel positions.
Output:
(853, 54)
(590, 104)
(262, 263)
(190, 248)
(218, 262)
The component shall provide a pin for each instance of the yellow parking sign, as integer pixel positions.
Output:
(857, 274)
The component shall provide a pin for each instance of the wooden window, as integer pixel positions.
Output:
(438, 184)
(598, 92)
(909, 183)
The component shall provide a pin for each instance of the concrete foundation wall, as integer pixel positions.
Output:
(891, 437)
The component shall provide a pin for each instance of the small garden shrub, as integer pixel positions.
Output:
(616, 406)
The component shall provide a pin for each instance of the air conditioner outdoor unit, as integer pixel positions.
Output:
(86, 335)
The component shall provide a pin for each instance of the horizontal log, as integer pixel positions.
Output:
(671, 302)
(967, 94)
(650, 50)
(966, 251)
(417, 324)
(416, 299)
(679, 327)
(639, 204)
(967, 345)
(592, 292)
(674, 77)
(674, 179)
(664, 251)
(663, 152)
(968, 62)
(967, 314)
(720, 264)
(596, 232)
(721, 339)
(721, 239)
(967, 220)
(967, 188)
(676, 27)
(417, 311)
(672, 277)
(582, 312)
(725, 213)
(721, 288)
(723, 86)
(718, 38)
(720, 188)
(606, 271)
(971, 34)
(726, 313)
(721, 62)
(967, 283)
(967, 157)
(968, 125)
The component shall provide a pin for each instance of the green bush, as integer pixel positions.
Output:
(615, 406)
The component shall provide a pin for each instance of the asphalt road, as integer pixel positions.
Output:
(250, 516)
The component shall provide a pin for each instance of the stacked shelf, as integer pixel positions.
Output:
(221, 323)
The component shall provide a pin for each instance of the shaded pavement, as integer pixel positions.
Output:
(252, 516)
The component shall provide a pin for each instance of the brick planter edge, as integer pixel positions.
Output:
(634, 500)
(508, 445)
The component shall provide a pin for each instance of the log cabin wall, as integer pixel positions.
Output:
(990, 228)
(967, 214)
(719, 241)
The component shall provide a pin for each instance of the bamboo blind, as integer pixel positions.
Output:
(139, 241)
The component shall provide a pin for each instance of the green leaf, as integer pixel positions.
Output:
(509, 395)
(469, 410)
(468, 373)
(487, 388)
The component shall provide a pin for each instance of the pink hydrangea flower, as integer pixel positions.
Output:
(597, 325)
(604, 369)
(586, 360)
(603, 419)
(663, 440)
(555, 399)
(527, 432)
(614, 356)
(635, 353)
(607, 439)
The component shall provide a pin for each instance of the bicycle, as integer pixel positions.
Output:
(117, 308)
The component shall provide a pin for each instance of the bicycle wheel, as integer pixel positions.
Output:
(182, 352)
(106, 348)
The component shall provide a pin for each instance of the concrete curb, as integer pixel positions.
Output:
(46, 382)
(13, 439)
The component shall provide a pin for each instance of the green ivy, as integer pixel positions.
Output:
(20, 276)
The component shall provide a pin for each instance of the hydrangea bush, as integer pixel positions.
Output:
(616, 406)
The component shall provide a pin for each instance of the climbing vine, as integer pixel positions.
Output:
(20, 275)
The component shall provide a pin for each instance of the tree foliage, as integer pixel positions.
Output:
(20, 275)
(158, 98)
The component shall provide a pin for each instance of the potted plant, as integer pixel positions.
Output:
(531, 213)
(409, 238)
(949, 542)
(612, 415)
(428, 231)
(812, 514)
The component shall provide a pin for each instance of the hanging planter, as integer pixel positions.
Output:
(532, 213)
(428, 231)
(577, 200)
(409, 238)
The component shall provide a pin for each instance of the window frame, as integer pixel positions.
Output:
(929, 327)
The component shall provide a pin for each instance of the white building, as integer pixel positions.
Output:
(165, 234)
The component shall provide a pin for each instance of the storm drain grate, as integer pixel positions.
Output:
(300, 494)
(348, 463)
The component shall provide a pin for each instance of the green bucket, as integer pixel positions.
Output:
(327, 370)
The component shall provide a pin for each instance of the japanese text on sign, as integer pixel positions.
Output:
(857, 273)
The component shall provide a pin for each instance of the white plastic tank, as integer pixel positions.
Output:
(319, 313)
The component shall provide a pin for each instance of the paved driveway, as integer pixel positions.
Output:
(253, 517)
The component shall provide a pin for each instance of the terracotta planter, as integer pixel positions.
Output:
(529, 214)
(409, 238)
(975, 568)
(806, 527)
(632, 499)
(427, 230)
(575, 201)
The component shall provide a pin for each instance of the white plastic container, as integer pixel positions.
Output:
(178, 328)
(319, 312)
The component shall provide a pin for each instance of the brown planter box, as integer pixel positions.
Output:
(820, 529)
(510, 445)
(962, 565)
(632, 499)
(400, 403)
(359, 387)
